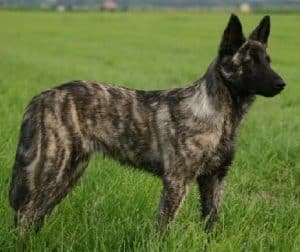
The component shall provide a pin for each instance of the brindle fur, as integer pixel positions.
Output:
(181, 135)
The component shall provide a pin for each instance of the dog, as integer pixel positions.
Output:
(181, 135)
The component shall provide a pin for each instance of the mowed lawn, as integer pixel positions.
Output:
(113, 208)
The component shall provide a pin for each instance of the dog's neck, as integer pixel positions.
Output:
(218, 89)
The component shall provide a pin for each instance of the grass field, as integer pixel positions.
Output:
(112, 208)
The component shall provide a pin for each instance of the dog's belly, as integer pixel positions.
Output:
(140, 155)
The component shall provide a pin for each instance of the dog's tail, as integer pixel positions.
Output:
(25, 160)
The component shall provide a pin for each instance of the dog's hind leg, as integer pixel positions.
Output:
(51, 156)
(39, 183)
(50, 189)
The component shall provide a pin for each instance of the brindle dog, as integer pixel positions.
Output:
(181, 135)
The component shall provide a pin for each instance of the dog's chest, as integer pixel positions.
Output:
(220, 158)
(209, 150)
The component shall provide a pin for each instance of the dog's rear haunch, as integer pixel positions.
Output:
(181, 135)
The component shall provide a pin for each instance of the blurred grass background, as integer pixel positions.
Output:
(114, 209)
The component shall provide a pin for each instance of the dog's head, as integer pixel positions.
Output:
(244, 63)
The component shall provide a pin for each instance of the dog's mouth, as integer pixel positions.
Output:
(270, 93)
(278, 90)
(279, 85)
(275, 87)
(274, 92)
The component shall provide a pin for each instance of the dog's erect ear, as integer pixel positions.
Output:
(262, 31)
(233, 37)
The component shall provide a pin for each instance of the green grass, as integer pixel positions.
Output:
(112, 208)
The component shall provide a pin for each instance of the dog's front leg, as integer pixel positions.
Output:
(173, 193)
(211, 192)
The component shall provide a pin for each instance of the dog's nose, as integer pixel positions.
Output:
(279, 83)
